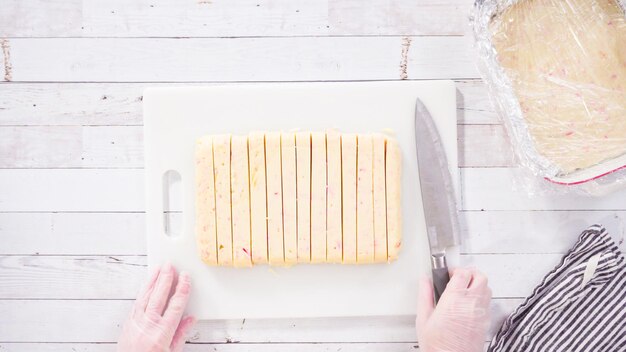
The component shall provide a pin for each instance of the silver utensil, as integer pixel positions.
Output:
(437, 195)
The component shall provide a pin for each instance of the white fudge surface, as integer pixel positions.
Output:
(205, 201)
(221, 155)
(288, 157)
(274, 199)
(258, 197)
(240, 201)
(283, 198)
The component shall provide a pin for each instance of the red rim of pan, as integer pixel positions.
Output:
(584, 181)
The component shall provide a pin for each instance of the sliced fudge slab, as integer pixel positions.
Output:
(306, 197)
(393, 169)
(240, 198)
(258, 197)
(274, 198)
(380, 206)
(318, 197)
(334, 241)
(206, 234)
(288, 156)
(348, 178)
(303, 185)
(365, 200)
(221, 155)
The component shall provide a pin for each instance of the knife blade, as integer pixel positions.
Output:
(437, 195)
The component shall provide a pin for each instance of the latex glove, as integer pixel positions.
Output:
(156, 322)
(461, 318)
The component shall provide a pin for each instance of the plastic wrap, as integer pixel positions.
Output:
(556, 70)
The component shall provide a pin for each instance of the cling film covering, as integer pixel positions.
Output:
(556, 70)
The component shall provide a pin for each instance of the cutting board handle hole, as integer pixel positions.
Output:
(172, 201)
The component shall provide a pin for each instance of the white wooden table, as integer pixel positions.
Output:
(72, 238)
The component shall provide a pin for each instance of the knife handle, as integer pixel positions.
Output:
(440, 274)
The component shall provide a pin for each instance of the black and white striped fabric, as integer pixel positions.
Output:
(579, 306)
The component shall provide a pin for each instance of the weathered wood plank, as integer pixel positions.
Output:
(222, 347)
(119, 277)
(226, 347)
(100, 321)
(73, 233)
(23, 104)
(516, 189)
(531, 231)
(239, 59)
(122, 146)
(114, 104)
(31, 146)
(473, 103)
(394, 17)
(117, 104)
(484, 146)
(65, 277)
(71, 146)
(78, 190)
(526, 269)
(124, 233)
(122, 190)
(217, 18)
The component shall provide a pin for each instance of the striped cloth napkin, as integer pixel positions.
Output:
(579, 306)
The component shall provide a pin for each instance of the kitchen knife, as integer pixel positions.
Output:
(437, 195)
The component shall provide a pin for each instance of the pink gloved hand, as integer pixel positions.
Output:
(460, 320)
(156, 322)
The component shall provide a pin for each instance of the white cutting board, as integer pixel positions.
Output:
(175, 117)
